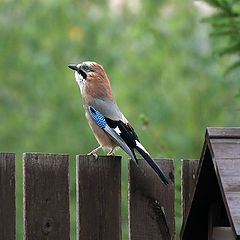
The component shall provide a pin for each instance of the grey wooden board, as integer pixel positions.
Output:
(46, 196)
(98, 198)
(228, 170)
(188, 180)
(7, 196)
(225, 148)
(151, 203)
(223, 132)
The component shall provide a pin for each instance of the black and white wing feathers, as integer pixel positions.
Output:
(114, 133)
(124, 135)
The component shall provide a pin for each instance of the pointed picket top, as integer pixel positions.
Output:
(217, 187)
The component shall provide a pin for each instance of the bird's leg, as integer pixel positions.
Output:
(111, 152)
(93, 152)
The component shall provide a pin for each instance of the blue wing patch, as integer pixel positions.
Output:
(102, 123)
(97, 117)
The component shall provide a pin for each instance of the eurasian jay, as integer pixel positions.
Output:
(109, 125)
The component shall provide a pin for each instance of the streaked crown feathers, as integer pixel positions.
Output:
(92, 79)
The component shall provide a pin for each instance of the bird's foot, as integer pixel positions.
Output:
(111, 152)
(94, 152)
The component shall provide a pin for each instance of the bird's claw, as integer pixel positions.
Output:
(110, 153)
(93, 154)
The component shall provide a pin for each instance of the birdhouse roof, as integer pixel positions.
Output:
(217, 181)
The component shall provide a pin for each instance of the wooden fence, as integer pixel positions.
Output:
(98, 186)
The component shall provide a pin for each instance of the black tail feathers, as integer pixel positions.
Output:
(153, 165)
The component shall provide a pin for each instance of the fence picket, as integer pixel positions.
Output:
(98, 198)
(188, 176)
(7, 196)
(46, 196)
(151, 203)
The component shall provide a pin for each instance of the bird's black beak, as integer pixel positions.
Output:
(73, 67)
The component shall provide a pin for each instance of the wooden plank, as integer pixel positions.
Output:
(223, 233)
(188, 180)
(225, 148)
(228, 173)
(7, 196)
(46, 196)
(151, 203)
(223, 132)
(98, 198)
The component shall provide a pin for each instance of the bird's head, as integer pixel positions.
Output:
(91, 78)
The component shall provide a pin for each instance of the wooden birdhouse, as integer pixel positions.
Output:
(213, 209)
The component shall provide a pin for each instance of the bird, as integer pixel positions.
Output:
(110, 127)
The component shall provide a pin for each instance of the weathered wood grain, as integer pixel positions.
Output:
(223, 132)
(206, 191)
(98, 198)
(7, 196)
(188, 181)
(223, 233)
(228, 170)
(46, 196)
(225, 148)
(151, 203)
(217, 193)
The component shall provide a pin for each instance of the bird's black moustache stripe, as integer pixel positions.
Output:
(82, 73)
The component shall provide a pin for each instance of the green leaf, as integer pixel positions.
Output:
(230, 50)
(233, 67)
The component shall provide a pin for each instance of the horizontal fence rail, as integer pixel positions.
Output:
(98, 185)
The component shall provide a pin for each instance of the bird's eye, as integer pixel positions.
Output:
(86, 68)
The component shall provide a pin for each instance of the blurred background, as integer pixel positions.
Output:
(163, 65)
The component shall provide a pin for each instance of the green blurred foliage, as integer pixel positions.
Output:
(225, 23)
(158, 57)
